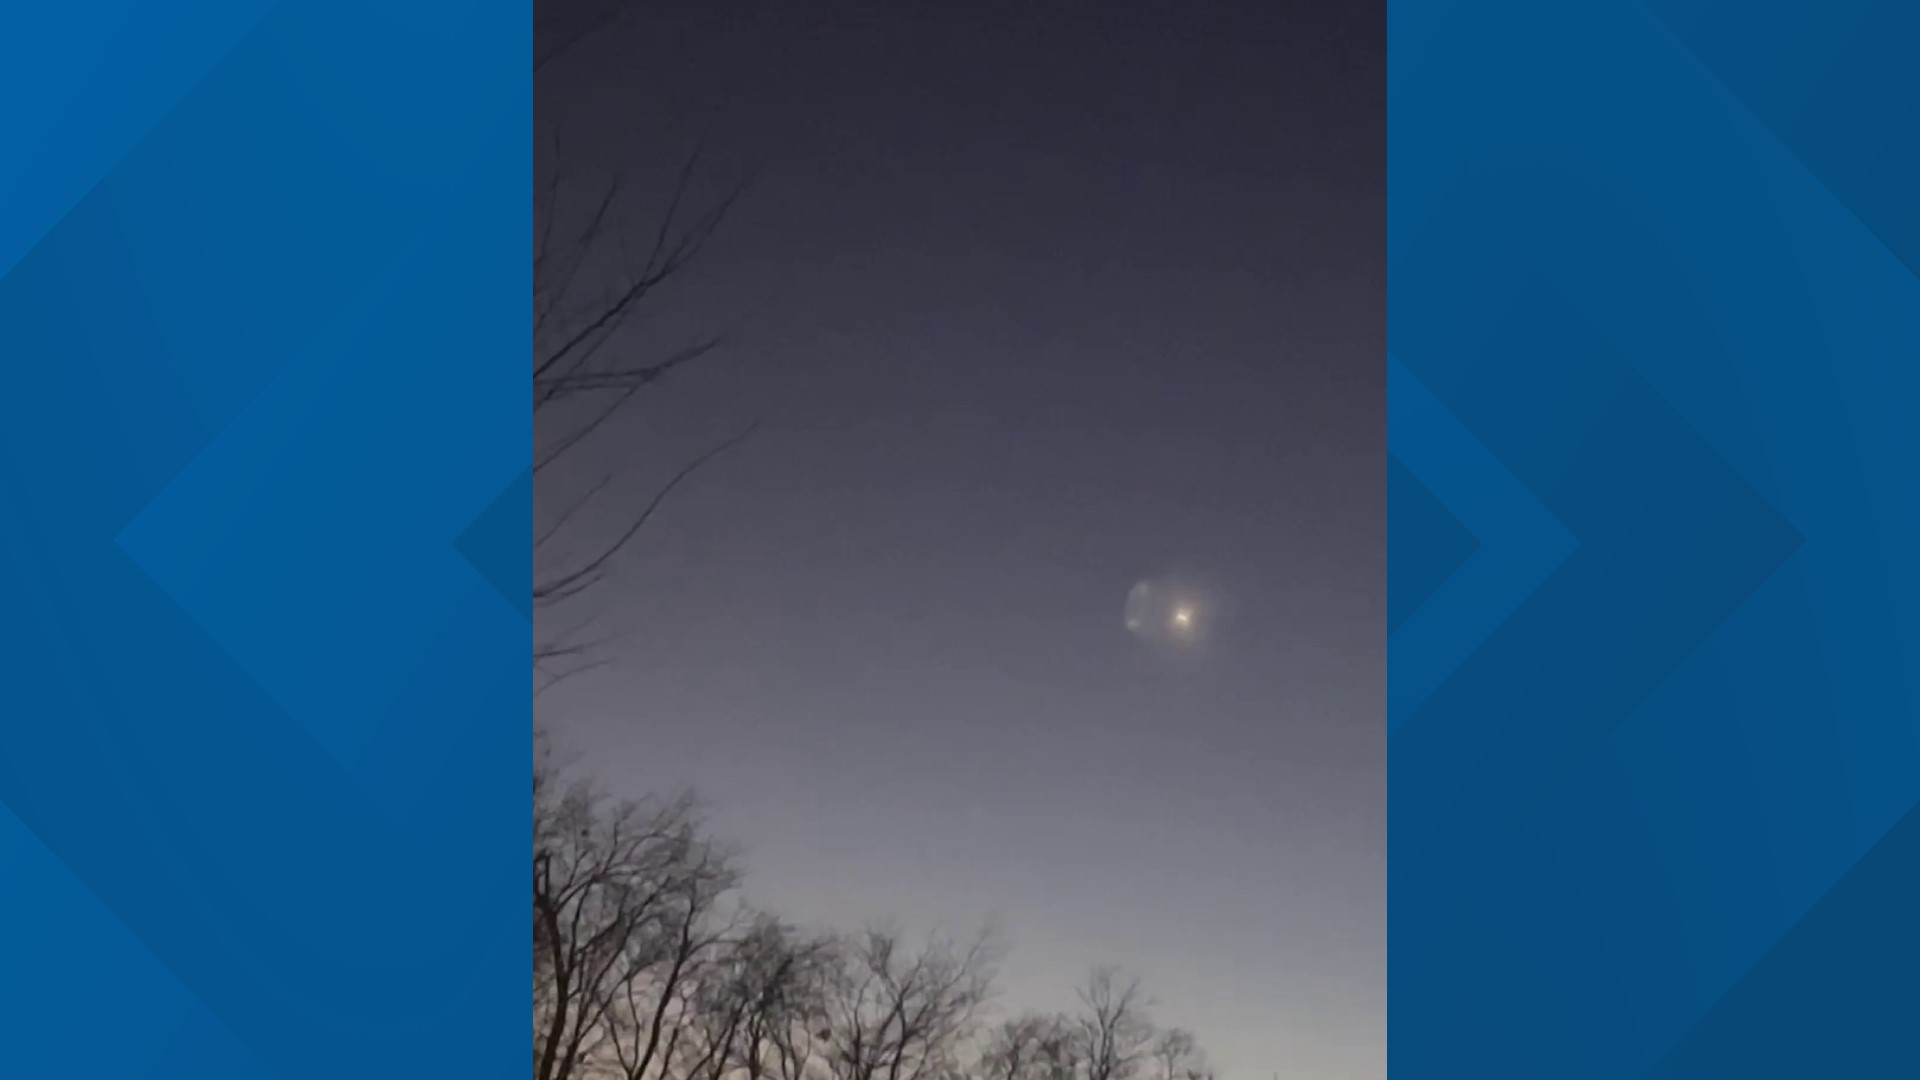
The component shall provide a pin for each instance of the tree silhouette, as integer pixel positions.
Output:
(648, 966)
(593, 273)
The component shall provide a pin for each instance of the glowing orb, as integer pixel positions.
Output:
(1166, 612)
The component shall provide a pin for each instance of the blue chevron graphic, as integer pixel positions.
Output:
(262, 295)
(114, 75)
(1855, 1033)
(1844, 102)
(85, 958)
(1519, 542)
(1444, 544)
(1658, 822)
(496, 543)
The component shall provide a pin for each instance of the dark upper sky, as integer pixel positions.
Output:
(1050, 298)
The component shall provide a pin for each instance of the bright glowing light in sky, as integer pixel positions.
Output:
(1169, 611)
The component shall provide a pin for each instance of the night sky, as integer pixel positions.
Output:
(1042, 300)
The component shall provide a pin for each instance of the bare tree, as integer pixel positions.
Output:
(782, 977)
(1115, 1033)
(1177, 1056)
(902, 1014)
(647, 968)
(625, 899)
(662, 1008)
(1031, 1046)
(1111, 1037)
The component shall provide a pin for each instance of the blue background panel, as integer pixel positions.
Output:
(263, 435)
(1655, 732)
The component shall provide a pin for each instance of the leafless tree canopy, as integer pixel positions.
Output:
(647, 966)
(900, 1014)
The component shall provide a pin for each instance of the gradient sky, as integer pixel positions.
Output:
(1049, 298)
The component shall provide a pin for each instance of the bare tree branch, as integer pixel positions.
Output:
(560, 26)
(587, 290)
(572, 582)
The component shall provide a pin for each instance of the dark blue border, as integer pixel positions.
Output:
(1655, 539)
(264, 286)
